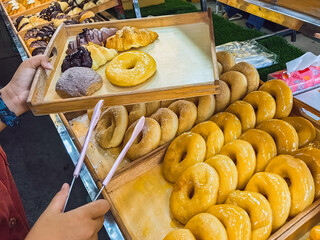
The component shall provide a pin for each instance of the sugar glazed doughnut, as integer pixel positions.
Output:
(194, 192)
(237, 83)
(187, 114)
(282, 94)
(168, 121)
(235, 220)
(213, 136)
(228, 175)
(226, 59)
(205, 105)
(283, 133)
(251, 74)
(136, 111)
(206, 226)
(258, 209)
(300, 181)
(276, 190)
(167, 103)
(180, 234)
(305, 130)
(245, 112)
(311, 156)
(147, 140)
(111, 127)
(229, 124)
(130, 68)
(152, 107)
(242, 153)
(263, 104)
(184, 151)
(264, 147)
(223, 97)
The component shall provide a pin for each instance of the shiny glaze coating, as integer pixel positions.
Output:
(315, 233)
(180, 234)
(311, 156)
(228, 175)
(194, 192)
(245, 112)
(263, 104)
(184, 151)
(205, 226)
(263, 145)
(283, 133)
(213, 136)
(235, 219)
(277, 192)
(282, 94)
(259, 210)
(301, 184)
(229, 124)
(305, 130)
(242, 153)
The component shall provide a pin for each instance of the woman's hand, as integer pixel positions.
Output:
(16, 92)
(82, 223)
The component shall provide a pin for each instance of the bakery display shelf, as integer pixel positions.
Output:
(139, 194)
(184, 53)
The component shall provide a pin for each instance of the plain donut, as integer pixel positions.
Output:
(223, 97)
(251, 74)
(226, 59)
(135, 112)
(205, 105)
(238, 84)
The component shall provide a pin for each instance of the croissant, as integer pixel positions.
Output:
(100, 55)
(129, 37)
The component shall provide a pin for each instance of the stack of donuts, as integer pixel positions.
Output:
(244, 172)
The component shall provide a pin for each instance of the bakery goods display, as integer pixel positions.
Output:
(315, 233)
(205, 105)
(238, 84)
(136, 111)
(152, 107)
(15, 7)
(130, 68)
(226, 60)
(222, 98)
(180, 234)
(251, 74)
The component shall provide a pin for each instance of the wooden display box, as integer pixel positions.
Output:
(127, 4)
(139, 194)
(184, 53)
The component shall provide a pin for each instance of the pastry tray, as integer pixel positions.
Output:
(139, 194)
(184, 53)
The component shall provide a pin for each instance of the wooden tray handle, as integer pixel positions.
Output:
(300, 108)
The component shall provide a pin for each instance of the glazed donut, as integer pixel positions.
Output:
(282, 94)
(112, 126)
(184, 151)
(237, 83)
(311, 156)
(305, 130)
(147, 140)
(263, 145)
(135, 112)
(206, 226)
(245, 112)
(229, 124)
(180, 234)
(187, 114)
(223, 97)
(283, 133)
(152, 107)
(276, 190)
(299, 178)
(220, 68)
(130, 68)
(213, 136)
(167, 103)
(258, 209)
(168, 121)
(194, 192)
(228, 175)
(251, 74)
(242, 153)
(226, 59)
(314, 233)
(234, 219)
(263, 104)
(206, 105)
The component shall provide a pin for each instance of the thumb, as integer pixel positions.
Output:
(57, 203)
(36, 61)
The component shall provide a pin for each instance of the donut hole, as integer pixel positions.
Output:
(183, 156)
(139, 138)
(191, 192)
(288, 181)
(131, 65)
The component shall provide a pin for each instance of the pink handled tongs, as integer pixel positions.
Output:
(94, 120)
(135, 133)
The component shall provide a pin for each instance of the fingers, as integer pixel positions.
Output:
(95, 209)
(36, 61)
(57, 203)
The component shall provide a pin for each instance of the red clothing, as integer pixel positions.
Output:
(13, 222)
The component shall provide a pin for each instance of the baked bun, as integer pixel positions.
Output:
(237, 83)
(251, 74)
(226, 59)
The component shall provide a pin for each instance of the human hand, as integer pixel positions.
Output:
(16, 92)
(82, 223)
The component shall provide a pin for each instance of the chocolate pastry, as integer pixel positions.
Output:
(47, 12)
(80, 58)
(37, 46)
(77, 82)
(32, 33)
(18, 20)
(91, 20)
(38, 51)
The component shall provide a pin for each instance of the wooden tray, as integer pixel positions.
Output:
(142, 181)
(184, 52)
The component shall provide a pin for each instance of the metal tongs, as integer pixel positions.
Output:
(94, 120)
